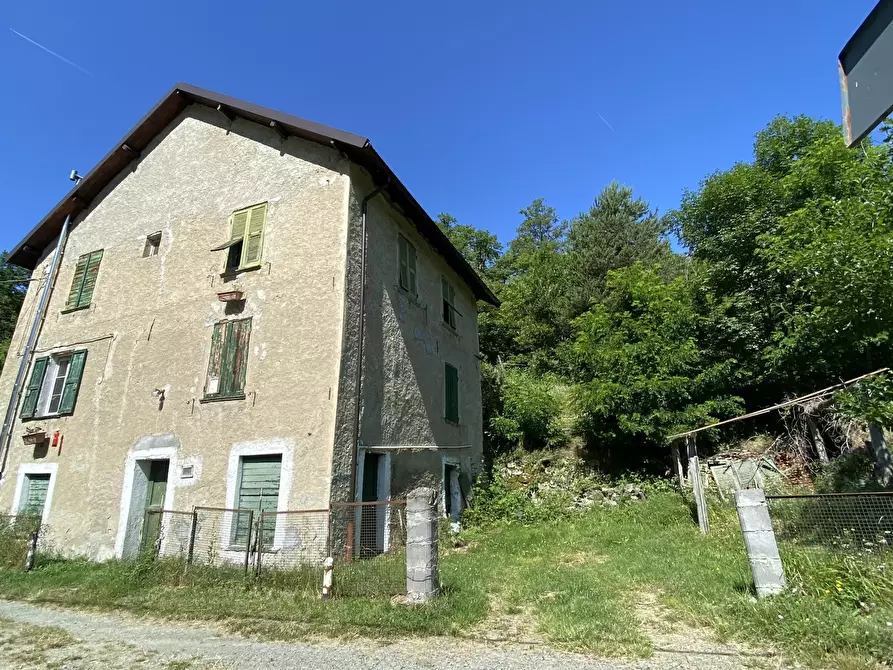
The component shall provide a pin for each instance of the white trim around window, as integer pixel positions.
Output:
(50, 469)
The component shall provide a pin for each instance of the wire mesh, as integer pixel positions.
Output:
(15, 538)
(290, 548)
(841, 522)
(220, 537)
(837, 545)
(167, 533)
(368, 544)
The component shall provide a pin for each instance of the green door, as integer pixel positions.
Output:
(34, 500)
(157, 487)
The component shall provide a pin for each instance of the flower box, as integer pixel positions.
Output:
(230, 296)
(37, 437)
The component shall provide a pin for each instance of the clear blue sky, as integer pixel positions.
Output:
(479, 107)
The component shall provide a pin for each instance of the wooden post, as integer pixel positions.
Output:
(694, 473)
(817, 439)
(193, 527)
(677, 464)
(883, 461)
(248, 537)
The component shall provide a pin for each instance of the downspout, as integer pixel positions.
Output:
(358, 382)
(6, 432)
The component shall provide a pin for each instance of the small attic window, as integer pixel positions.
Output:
(153, 243)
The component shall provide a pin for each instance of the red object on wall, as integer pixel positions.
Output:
(56, 439)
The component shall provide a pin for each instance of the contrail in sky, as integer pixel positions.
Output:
(62, 58)
(599, 115)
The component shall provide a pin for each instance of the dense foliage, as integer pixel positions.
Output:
(609, 338)
(12, 294)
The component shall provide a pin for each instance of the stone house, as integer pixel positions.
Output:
(214, 333)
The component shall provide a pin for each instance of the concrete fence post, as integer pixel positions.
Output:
(759, 540)
(422, 572)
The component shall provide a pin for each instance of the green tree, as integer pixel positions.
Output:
(481, 248)
(641, 374)
(617, 231)
(12, 293)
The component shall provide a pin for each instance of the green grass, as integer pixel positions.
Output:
(578, 578)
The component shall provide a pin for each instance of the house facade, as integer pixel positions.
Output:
(201, 344)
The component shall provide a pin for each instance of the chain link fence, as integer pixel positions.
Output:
(367, 542)
(19, 534)
(837, 544)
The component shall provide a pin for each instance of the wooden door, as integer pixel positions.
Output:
(156, 490)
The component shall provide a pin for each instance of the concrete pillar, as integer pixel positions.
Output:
(883, 461)
(759, 540)
(422, 573)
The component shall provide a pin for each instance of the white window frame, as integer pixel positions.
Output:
(49, 380)
(50, 469)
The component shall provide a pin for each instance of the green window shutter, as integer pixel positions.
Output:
(404, 261)
(77, 283)
(32, 391)
(412, 271)
(212, 384)
(229, 359)
(451, 393)
(73, 382)
(239, 223)
(35, 495)
(258, 491)
(85, 274)
(251, 250)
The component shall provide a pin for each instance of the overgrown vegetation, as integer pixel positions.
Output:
(610, 340)
(12, 293)
(575, 580)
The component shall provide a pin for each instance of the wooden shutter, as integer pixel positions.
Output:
(229, 359)
(451, 393)
(411, 266)
(85, 274)
(240, 222)
(402, 245)
(212, 383)
(77, 283)
(258, 491)
(72, 382)
(32, 391)
(35, 495)
(251, 251)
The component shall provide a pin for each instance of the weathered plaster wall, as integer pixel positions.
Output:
(149, 325)
(403, 387)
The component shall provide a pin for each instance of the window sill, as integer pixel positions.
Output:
(242, 549)
(452, 423)
(449, 328)
(45, 417)
(69, 310)
(228, 275)
(216, 398)
(412, 297)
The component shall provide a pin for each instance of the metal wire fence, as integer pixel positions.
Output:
(838, 544)
(367, 542)
(18, 534)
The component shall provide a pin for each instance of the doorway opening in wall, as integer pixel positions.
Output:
(373, 518)
(156, 487)
(453, 501)
(145, 502)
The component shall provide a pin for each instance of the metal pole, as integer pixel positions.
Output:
(190, 552)
(31, 342)
(259, 542)
(248, 542)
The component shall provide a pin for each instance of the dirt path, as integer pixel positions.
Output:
(38, 637)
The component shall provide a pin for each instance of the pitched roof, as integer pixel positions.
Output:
(358, 149)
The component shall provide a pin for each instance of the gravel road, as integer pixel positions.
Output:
(38, 637)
